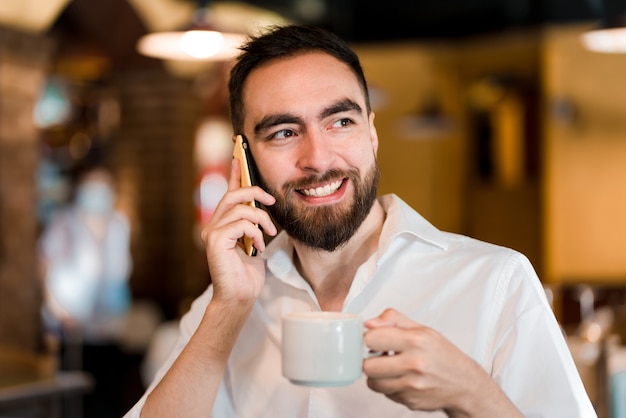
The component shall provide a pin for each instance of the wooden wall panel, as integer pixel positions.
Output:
(585, 161)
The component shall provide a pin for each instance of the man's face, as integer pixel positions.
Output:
(314, 146)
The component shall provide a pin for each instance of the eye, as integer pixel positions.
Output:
(282, 134)
(343, 122)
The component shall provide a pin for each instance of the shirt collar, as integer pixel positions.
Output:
(404, 220)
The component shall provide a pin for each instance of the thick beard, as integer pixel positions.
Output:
(325, 227)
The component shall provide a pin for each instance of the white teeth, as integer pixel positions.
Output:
(323, 191)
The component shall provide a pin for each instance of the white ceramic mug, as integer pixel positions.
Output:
(322, 348)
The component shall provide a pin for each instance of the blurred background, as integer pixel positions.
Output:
(497, 119)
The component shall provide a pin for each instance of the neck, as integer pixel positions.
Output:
(330, 274)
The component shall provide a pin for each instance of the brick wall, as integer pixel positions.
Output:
(23, 62)
(153, 159)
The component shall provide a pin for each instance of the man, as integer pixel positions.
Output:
(467, 323)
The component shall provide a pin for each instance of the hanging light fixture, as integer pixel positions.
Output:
(610, 36)
(198, 41)
(34, 16)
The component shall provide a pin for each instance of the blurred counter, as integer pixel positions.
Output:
(31, 386)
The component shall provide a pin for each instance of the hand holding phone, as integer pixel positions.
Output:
(246, 164)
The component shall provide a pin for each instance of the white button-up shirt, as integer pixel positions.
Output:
(485, 299)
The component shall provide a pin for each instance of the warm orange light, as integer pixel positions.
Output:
(611, 40)
(31, 15)
(193, 45)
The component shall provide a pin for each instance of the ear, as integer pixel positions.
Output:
(373, 133)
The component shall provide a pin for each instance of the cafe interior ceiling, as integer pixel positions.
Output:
(114, 26)
(383, 20)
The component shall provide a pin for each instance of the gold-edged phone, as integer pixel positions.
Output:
(248, 178)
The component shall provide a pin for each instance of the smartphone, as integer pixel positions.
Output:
(248, 178)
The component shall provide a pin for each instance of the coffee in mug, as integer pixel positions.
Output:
(322, 348)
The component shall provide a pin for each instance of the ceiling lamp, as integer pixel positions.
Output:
(31, 15)
(610, 36)
(198, 41)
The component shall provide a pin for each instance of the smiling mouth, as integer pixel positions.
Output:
(322, 191)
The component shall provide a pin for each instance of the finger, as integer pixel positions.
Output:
(381, 385)
(262, 196)
(387, 339)
(384, 366)
(391, 318)
(227, 210)
(253, 232)
(227, 237)
(267, 225)
(234, 181)
(386, 386)
(252, 214)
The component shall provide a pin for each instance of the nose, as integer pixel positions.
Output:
(315, 153)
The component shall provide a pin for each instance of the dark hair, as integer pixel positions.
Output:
(282, 42)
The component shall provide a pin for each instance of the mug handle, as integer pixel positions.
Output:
(367, 353)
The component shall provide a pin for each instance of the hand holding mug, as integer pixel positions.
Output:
(428, 372)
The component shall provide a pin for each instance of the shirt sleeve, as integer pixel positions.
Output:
(534, 349)
(188, 325)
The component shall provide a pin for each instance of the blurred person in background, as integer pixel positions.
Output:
(86, 261)
(86, 264)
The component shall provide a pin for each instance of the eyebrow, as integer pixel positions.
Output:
(344, 105)
(276, 119)
(268, 121)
